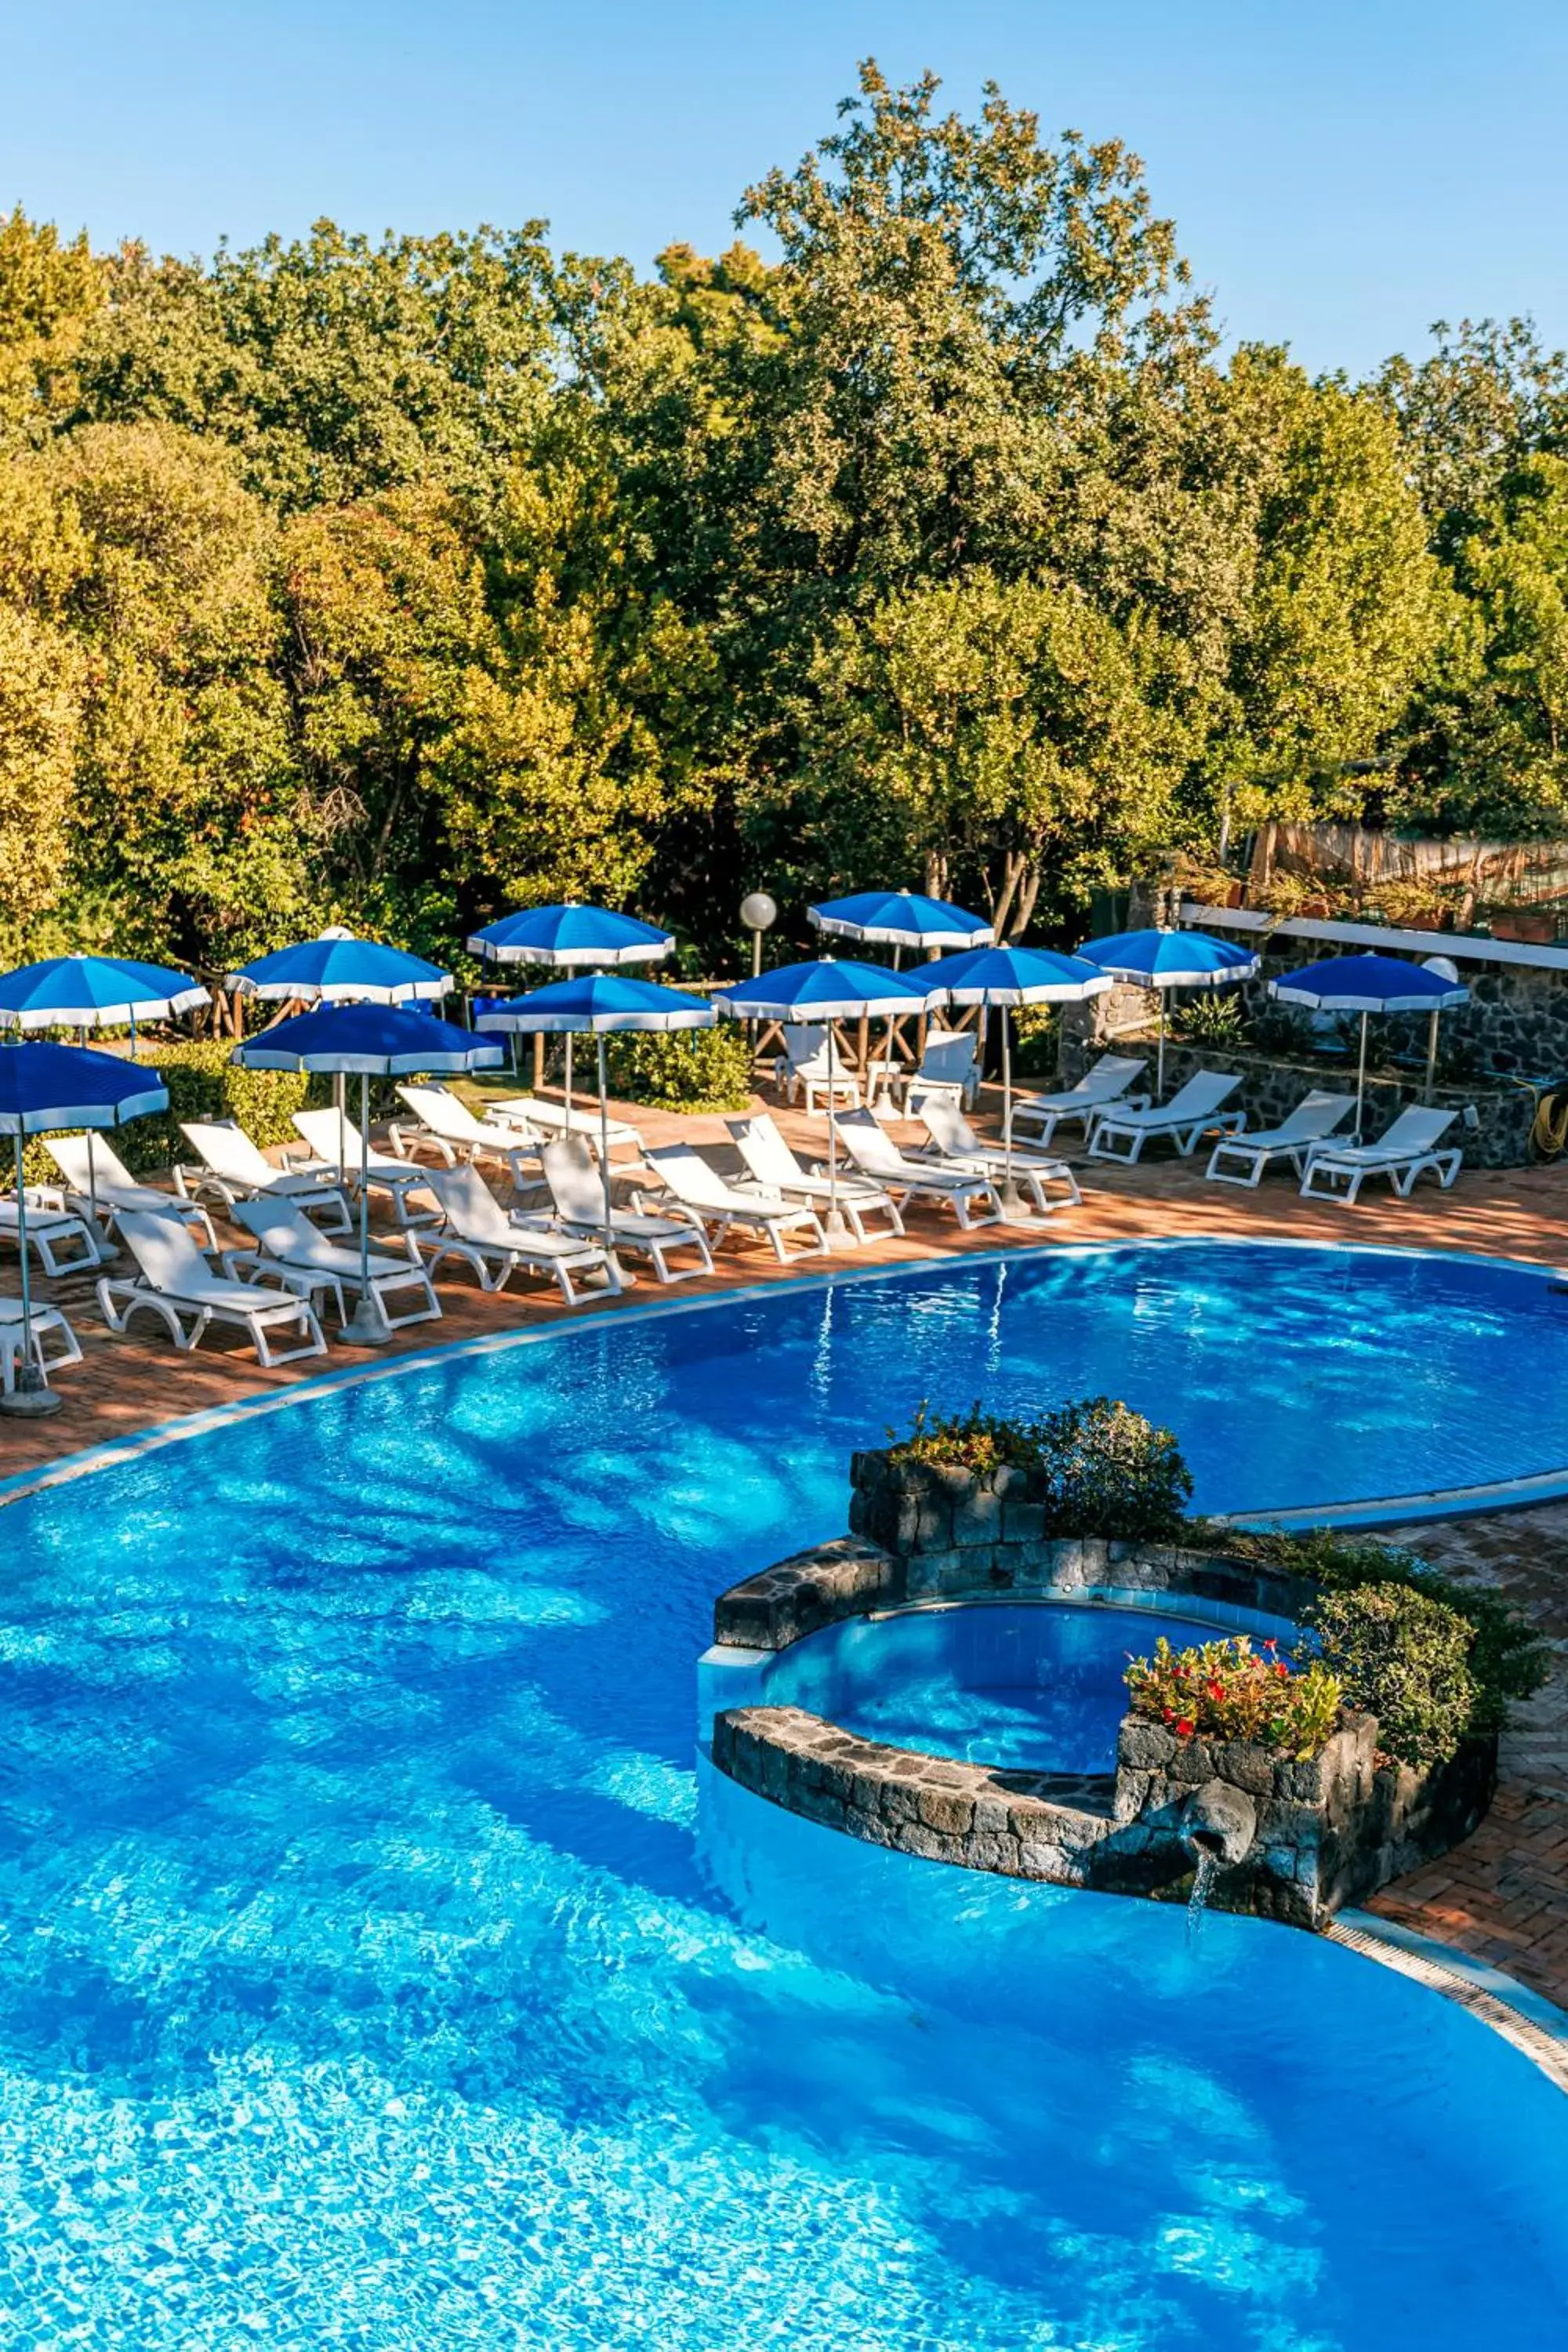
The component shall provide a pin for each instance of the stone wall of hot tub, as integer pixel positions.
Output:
(1290, 1840)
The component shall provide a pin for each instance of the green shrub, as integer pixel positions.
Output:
(1209, 1019)
(1111, 1473)
(1402, 1657)
(1037, 1041)
(1507, 1658)
(1105, 1471)
(686, 1069)
(1229, 1690)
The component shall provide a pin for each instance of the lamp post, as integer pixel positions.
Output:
(759, 914)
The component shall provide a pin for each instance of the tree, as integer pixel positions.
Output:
(1489, 396)
(333, 367)
(980, 728)
(50, 291)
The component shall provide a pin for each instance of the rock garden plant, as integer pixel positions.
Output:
(1229, 1690)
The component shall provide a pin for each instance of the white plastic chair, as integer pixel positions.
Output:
(771, 1163)
(234, 1169)
(1405, 1150)
(956, 1146)
(52, 1231)
(1242, 1158)
(1110, 1080)
(805, 1067)
(1193, 1111)
(477, 1230)
(577, 1189)
(876, 1155)
(444, 1120)
(949, 1067)
(302, 1257)
(176, 1280)
(46, 1321)
(332, 1136)
(94, 1173)
(720, 1205)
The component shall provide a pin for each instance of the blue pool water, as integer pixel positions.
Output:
(379, 1969)
(1038, 1687)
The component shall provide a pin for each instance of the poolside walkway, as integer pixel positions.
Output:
(1502, 1898)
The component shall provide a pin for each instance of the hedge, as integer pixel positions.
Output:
(691, 1070)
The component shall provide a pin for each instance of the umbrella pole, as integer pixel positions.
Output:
(32, 1394)
(1014, 1204)
(1159, 1065)
(1431, 1057)
(366, 1328)
(1361, 1078)
(604, 1155)
(568, 1081)
(838, 1229)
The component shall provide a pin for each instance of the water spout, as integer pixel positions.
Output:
(1203, 1879)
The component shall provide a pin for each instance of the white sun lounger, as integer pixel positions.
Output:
(956, 1146)
(771, 1163)
(51, 1230)
(444, 1120)
(176, 1280)
(333, 1137)
(1242, 1158)
(804, 1066)
(301, 1257)
(949, 1068)
(700, 1187)
(1336, 1171)
(878, 1156)
(1191, 1112)
(1109, 1081)
(44, 1320)
(234, 1170)
(107, 1180)
(539, 1117)
(478, 1230)
(577, 1189)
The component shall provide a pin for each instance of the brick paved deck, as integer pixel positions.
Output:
(1502, 1897)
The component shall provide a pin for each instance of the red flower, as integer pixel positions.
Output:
(1215, 1690)
(1282, 1669)
(1185, 1729)
(1169, 1713)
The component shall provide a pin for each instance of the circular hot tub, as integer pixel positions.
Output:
(1027, 1685)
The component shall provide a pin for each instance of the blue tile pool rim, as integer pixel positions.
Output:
(1437, 1503)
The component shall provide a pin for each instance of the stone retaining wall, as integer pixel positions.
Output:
(1294, 1841)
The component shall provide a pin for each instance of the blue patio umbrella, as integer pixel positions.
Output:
(336, 968)
(43, 1088)
(825, 991)
(574, 938)
(1006, 978)
(1162, 959)
(94, 992)
(367, 1041)
(600, 1004)
(1368, 985)
(901, 918)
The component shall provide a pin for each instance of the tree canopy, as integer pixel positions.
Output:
(939, 541)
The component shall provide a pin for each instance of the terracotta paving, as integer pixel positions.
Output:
(1502, 1898)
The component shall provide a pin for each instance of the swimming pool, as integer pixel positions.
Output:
(377, 1971)
(1033, 1686)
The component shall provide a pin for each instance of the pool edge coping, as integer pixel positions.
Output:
(1529, 2021)
(1436, 1503)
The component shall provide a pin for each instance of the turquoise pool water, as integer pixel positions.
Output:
(1038, 1687)
(378, 1969)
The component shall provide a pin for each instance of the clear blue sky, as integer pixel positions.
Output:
(1340, 174)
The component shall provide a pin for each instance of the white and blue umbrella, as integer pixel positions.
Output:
(1002, 978)
(94, 992)
(901, 918)
(1161, 959)
(44, 1089)
(1368, 985)
(367, 1041)
(822, 992)
(601, 1004)
(338, 969)
(587, 939)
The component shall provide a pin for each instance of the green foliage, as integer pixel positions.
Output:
(204, 1082)
(1402, 1657)
(1212, 1017)
(1506, 1657)
(691, 1070)
(416, 578)
(1229, 1690)
(1104, 1471)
